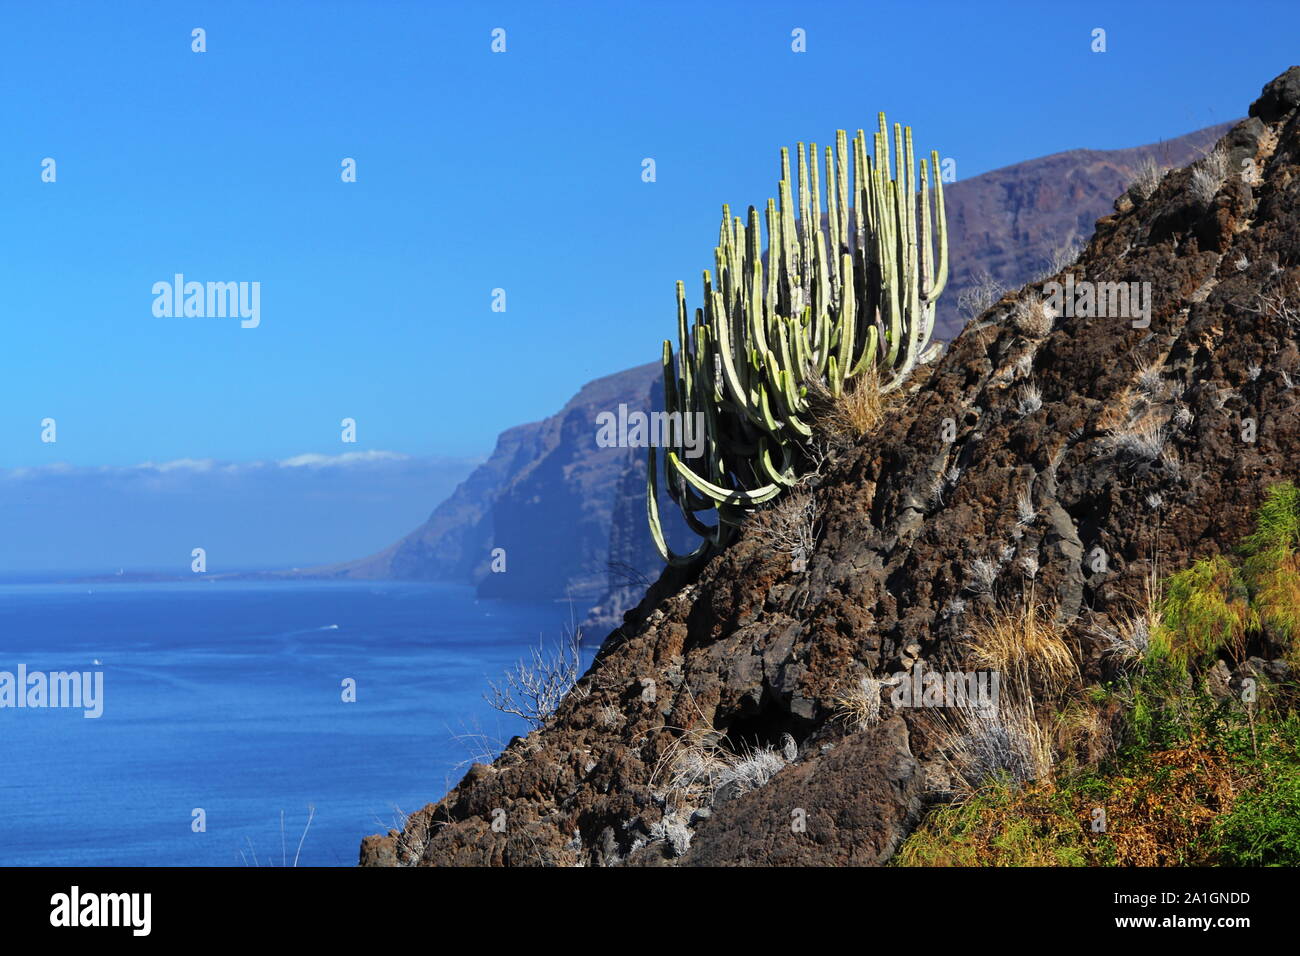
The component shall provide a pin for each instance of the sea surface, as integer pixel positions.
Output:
(227, 698)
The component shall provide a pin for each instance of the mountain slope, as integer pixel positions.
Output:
(1137, 448)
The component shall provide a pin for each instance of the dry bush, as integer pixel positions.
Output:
(1195, 783)
(1012, 743)
(1280, 306)
(1024, 645)
(1008, 744)
(610, 717)
(976, 299)
(790, 525)
(1062, 257)
(696, 767)
(533, 688)
(1026, 648)
(1159, 814)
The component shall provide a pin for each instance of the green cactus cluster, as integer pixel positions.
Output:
(780, 328)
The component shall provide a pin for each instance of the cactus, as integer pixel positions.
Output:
(826, 304)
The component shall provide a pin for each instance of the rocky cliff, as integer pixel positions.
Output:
(546, 496)
(1038, 442)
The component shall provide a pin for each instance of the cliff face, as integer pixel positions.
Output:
(546, 496)
(1137, 447)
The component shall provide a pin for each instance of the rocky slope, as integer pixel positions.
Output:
(547, 482)
(745, 652)
(1010, 222)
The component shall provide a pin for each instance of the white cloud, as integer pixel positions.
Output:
(181, 464)
(336, 461)
(206, 465)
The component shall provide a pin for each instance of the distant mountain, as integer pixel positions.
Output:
(546, 496)
(571, 516)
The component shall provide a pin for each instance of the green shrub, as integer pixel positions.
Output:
(1263, 826)
(1205, 611)
(1277, 522)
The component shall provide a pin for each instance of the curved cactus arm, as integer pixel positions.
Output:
(847, 329)
(868, 358)
(787, 402)
(784, 475)
(791, 372)
(769, 422)
(722, 495)
(656, 528)
(730, 517)
(790, 402)
(935, 287)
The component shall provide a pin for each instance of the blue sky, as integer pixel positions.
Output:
(476, 171)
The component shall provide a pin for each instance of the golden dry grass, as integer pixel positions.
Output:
(1157, 814)
(857, 410)
(1024, 642)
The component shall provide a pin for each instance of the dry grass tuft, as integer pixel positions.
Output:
(855, 413)
(1012, 743)
(1025, 644)
(859, 707)
(1033, 316)
(1209, 175)
(1147, 177)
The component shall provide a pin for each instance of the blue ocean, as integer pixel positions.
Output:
(228, 698)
